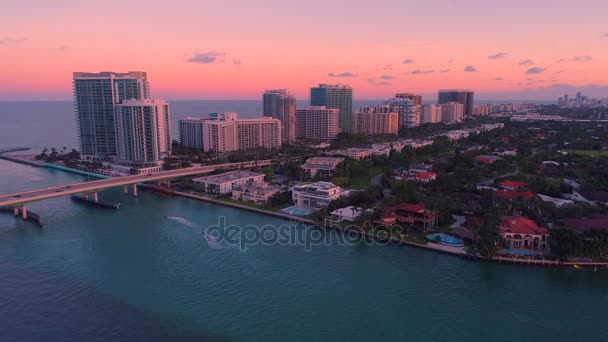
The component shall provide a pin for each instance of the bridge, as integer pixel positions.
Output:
(18, 200)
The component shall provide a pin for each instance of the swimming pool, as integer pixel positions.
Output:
(518, 251)
(445, 239)
(298, 211)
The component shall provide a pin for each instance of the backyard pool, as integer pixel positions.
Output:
(298, 211)
(518, 251)
(445, 239)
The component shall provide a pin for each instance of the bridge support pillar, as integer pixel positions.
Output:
(126, 190)
(24, 213)
(95, 198)
(16, 211)
(134, 190)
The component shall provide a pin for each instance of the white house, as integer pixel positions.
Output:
(224, 183)
(316, 195)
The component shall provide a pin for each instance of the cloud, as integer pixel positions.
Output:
(408, 61)
(206, 57)
(498, 55)
(576, 59)
(12, 40)
(236, 61)
(535, 70)
(450, 61)
(470, 68)
(386, 77)
(419, 72)
(380, 83)
(444, 70)
(526, 62)
(498, 79)
(342, 74)
(605, 35)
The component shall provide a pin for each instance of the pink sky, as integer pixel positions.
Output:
(236, 49)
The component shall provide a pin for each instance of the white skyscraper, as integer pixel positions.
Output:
(281, 104)
(191, 132)
(431, 113)
(317, 123)
(452, 112)
(143, 131)
(224, 132)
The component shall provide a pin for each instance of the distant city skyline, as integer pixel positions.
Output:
(501, 50)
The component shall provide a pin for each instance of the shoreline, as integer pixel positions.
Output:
(430, 246)
(396, 241)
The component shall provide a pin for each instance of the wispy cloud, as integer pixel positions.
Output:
(605, 35)
(420, 72)
(470, 68)
(444, 70)
(236, 61)
(576, 59)
(207, 57)
(498, 79)
(12, 40)
(379, 83)
(386, 77)
(342, 74)
(499, 55)
(526, 62)
(535, 70)
(408, 61)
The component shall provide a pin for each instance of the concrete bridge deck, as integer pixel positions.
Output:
(19, 199)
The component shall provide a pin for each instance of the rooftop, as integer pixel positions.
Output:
(521, 225)
(228, 176)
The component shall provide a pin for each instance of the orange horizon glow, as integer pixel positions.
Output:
(241, 48)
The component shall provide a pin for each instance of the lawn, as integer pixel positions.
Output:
(363, 181)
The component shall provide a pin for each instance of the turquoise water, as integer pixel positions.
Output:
(446, 239)
(518, 251)
(132, 274)
(298, 211)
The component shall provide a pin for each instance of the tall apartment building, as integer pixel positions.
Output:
(259, 133)
(143, 131)
(452, 112)
(463, 96)
(317, 123)
(219, 132)
(224, 132)
(95, 96)
(335, 96)
(281, 104)
(416, 99)
(431, 113)
(409, 114)
(376, 120)
(191, 132)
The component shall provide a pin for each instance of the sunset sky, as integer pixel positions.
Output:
(533, 49)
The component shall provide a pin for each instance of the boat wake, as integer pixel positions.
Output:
(182, 221)
(211, 241)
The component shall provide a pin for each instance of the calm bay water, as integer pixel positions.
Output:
(133, 275)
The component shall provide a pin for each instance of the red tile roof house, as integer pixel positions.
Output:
(512, 185)
(410, 214)
(522, 233)
(418, 176)
(512, 195)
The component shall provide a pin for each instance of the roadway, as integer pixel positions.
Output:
(21, 198)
